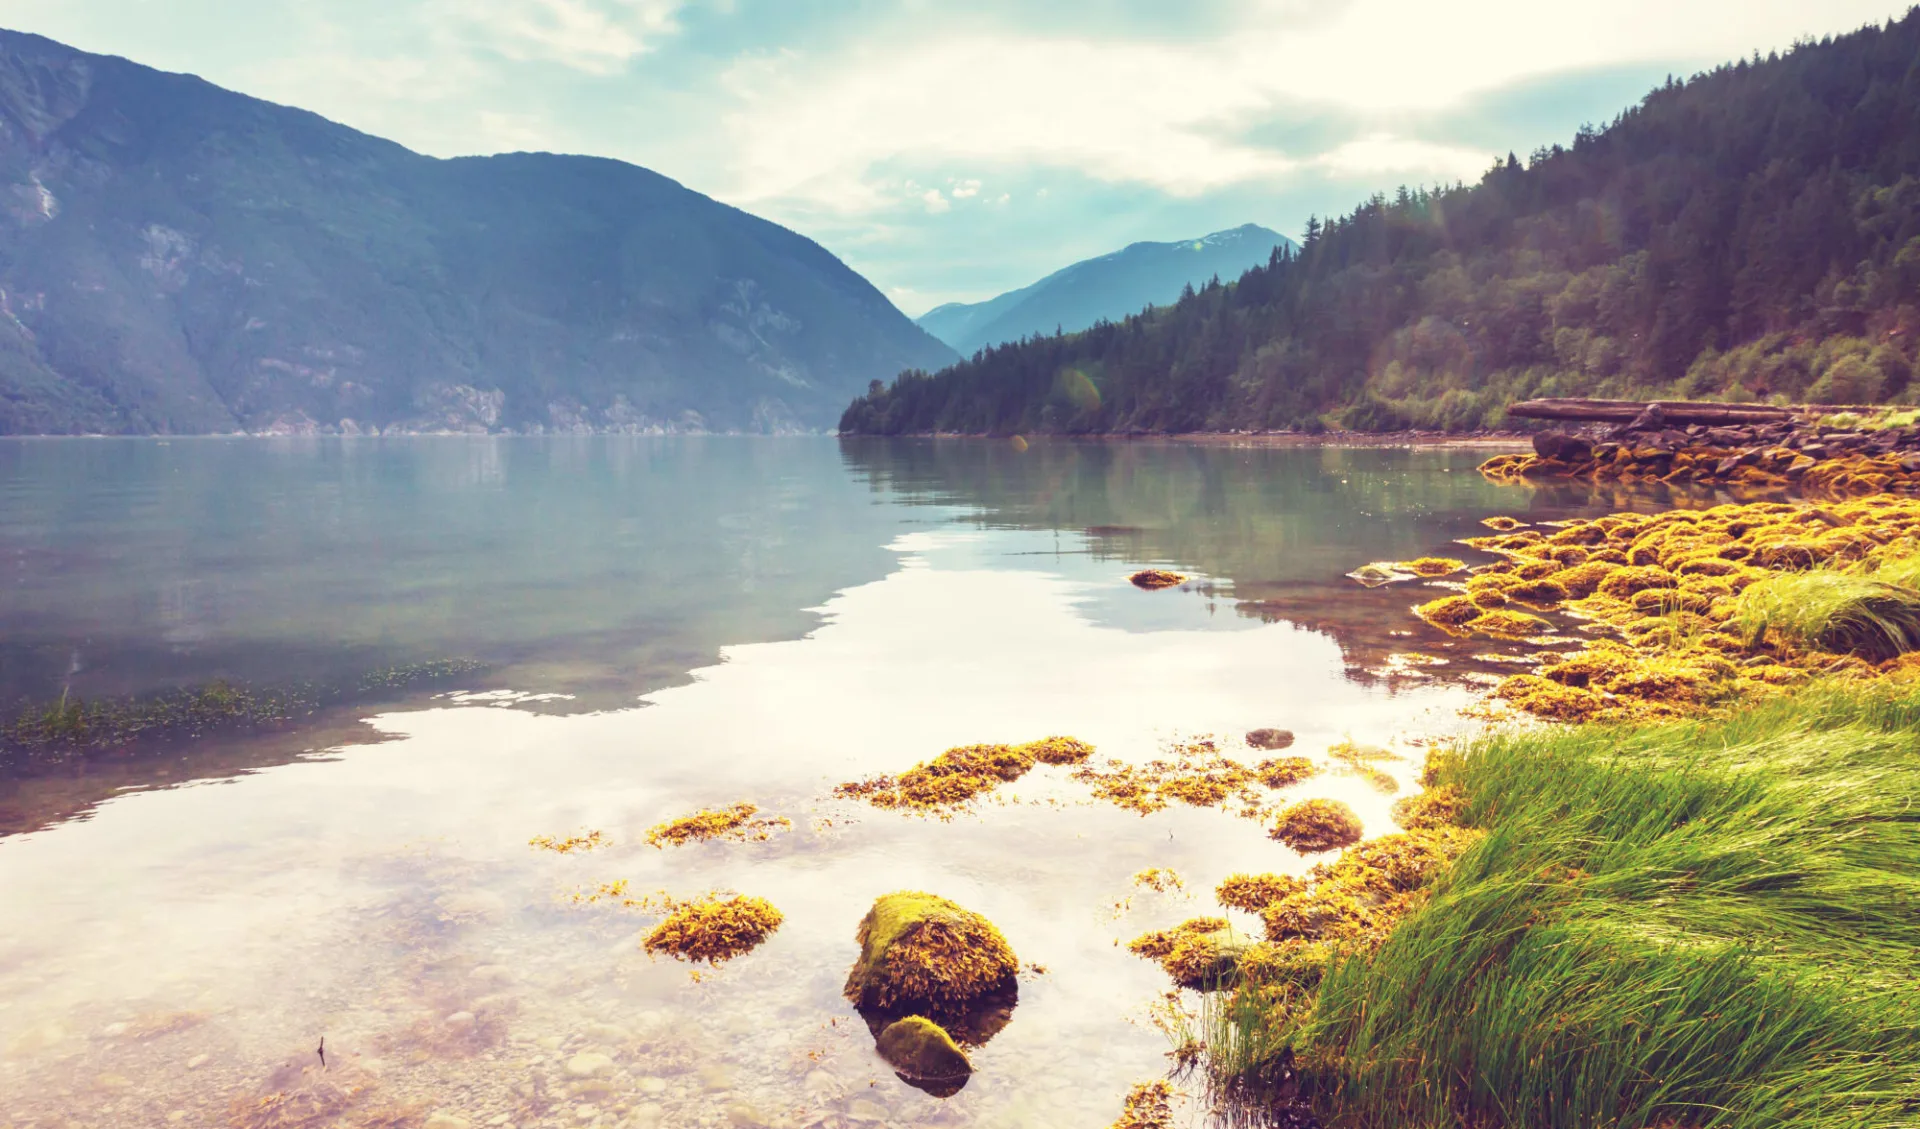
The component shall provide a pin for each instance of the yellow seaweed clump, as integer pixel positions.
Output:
(1449, 613)
(919, 950)
(1058, 750)
(1438, 806)
(1200, 954)
(1198, 775)
(1357, 898)
(1149, 1106)
(1159, 879)
(961, 775)
(1255, 892)
(591, 841)
(1161, 942)
(736, 822)
(950, 780)
(1502, 523)
(1284, 772)
(1430, 567)
(1154, 579)
(1317, 825)
(713, 929)
(1553, 700)
(1668, 600)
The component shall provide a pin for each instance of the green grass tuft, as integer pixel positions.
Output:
(1698, 924)
(1846, 612)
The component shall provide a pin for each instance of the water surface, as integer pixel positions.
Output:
(666, 624)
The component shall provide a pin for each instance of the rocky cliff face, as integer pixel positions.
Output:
(177, 258)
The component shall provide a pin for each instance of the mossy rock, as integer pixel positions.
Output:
(922, 1051)
(922, 952)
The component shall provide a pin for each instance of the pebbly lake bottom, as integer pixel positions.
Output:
(185, 951)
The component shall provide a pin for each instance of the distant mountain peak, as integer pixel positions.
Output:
(1109, 287)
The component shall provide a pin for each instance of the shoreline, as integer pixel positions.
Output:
(1538, 864)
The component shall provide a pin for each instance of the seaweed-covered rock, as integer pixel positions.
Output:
(1153, 579)
(922, 952)
(1311, 826)
(923, 1052)
(1202, 954)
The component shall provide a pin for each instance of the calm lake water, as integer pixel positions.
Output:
(666, 624)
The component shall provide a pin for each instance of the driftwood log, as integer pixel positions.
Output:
(1672, 411)
(1681, 412)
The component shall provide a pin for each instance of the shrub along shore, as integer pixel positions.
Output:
(1693, 899)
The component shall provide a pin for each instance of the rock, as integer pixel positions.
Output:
(647, 1116)
(198, 1061)
(820, 1084)
(921, 1049)
(446, 1121)
(1270, 738)
(585, 1113)
(587, 1064)
(863, 1109)
(459, 1020)
(1650, 419)
(924, 952)
(1563, 446)
(743, 1116)
(113, 1030)
(651, 1085)
(174, 1117)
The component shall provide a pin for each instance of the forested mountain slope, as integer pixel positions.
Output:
(178, 258)
(1751, 232)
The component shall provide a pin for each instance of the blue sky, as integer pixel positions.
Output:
(950, 151)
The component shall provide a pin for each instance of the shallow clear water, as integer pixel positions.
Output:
(721, 620)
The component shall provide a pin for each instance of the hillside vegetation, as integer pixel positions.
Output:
(1753, 232)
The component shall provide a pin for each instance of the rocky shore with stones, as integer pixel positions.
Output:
(1839, 458)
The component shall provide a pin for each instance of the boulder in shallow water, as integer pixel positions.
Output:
(1153, 579)
(922, 1051)
(1562, 446)
(922, 952)
(1270, 738)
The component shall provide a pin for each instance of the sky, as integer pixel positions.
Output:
(951, 151)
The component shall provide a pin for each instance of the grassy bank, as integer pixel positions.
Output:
(1707, 923)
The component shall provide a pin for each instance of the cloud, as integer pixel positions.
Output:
(1177, 114)
(597, 37)
(1403, 156)
(936, 203)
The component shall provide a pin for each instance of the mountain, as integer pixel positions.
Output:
(1107, 288)
(177, 258)
(1752, 232)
